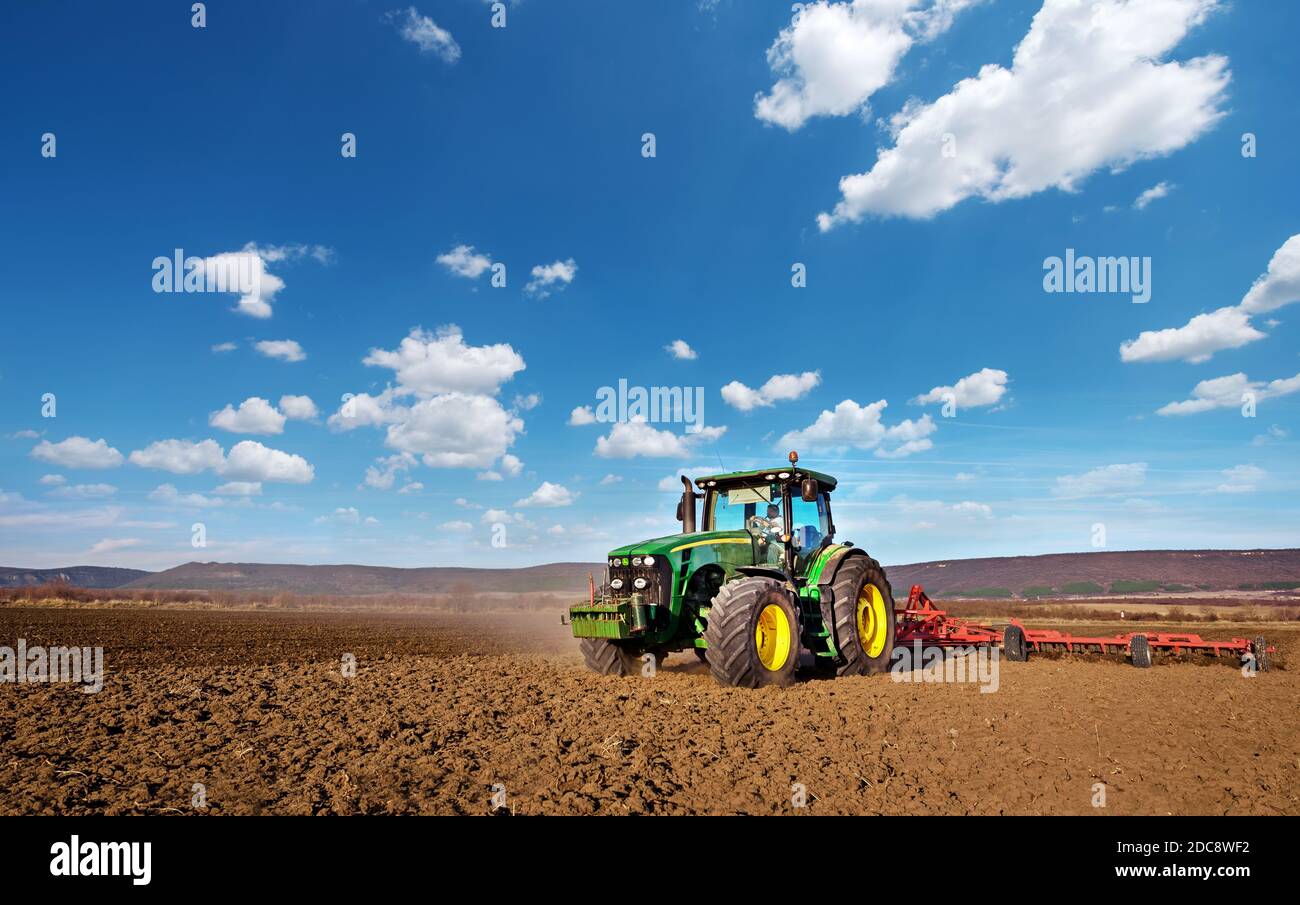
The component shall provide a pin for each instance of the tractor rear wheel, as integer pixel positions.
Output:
(753, 634)
(863, 613)
(608, 658)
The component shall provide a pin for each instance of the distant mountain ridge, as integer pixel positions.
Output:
(80, 576)
(1054, 574)
(358, 581)
(1128, 571)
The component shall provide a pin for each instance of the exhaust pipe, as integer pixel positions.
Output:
(686, 508)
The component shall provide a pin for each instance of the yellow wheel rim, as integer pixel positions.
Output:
(772, 637)
(873, 621)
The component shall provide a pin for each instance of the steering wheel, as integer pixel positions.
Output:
(759, 524)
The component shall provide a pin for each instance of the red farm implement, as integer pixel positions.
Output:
(922, 622)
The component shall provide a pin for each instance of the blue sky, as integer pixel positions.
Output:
(1115, 130)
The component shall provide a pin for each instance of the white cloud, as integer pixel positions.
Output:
(1274, 434)
(245, 272)
(1197, 341)
(975, 510)
(168, 495)
(1280, 285)
(464, 261)
(778, 388)
(834, 56)
(249, 460)
(180, 456)
(610, 479)
(254, 416)
(1225, 328)
(383, 475)
(224, 347)
(364, 410)
(527, 403)
(83, 491)
(681, 349)
(78, 452)
(425, 34)
(1155, 193)
(53, 480)
(1090, 70)
(456, 525)
(985, 387)
(283, 349)
(582, 415)
(628, 439)
(1229, 392)
(512, 466)
(673, 482)
(348, 515)
(109, 544)
(1105, 480)
(412, 487)
(545, 276)
(240, 488)
(860, 427)
(299, 408)
(456, 430)
(548, 495)
(427, 364)
(1241, 479)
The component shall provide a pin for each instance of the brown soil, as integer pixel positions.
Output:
(443, 707)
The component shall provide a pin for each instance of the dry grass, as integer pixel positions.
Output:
(460, 601)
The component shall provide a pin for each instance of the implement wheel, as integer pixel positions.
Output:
(1014, 645)
(608, 658)
(1139, 650)
(753, 634)
(863, 614)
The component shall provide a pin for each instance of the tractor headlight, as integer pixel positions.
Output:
(636, 560)
(639, 584)
(614, 563)
(616, 583)
(647, 560)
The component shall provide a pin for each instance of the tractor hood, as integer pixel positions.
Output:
(662, 546)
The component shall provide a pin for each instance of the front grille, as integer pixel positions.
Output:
(657, 588)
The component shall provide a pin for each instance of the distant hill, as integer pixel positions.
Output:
(78, 576)
(358, 581)
(1126, 572)
(1052, 575)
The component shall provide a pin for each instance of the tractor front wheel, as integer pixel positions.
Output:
(753, 634)
(608, 658)
(863, 613)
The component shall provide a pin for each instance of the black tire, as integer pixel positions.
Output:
(608, 658)
(854, 575)
(1140, 651)
(1261, 655)
(1014, 646)
(733, 653)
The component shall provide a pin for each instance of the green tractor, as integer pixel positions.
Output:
(760, 582)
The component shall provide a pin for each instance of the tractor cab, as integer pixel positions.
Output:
(785, 512)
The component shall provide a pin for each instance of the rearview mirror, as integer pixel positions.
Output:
(679, 510)
(808, 490)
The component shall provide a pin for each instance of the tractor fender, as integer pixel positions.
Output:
(825, 592)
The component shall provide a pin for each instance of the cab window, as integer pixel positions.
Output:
(811, 522)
